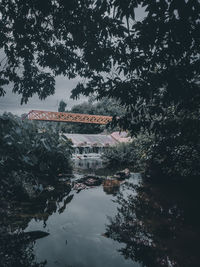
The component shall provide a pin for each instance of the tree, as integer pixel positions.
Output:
(155, 75)
(148, 65)
(41, 39)
(41, 154)
(62, 106)
(107, 107)
(151, 66)
(156, 70)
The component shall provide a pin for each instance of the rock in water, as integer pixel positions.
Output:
(49, 188)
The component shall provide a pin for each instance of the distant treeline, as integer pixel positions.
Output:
(109, 107)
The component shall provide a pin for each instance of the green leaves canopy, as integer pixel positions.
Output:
(41, 39)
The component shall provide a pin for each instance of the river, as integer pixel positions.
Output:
(124, 224)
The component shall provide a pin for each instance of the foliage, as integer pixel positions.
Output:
(27, 154)
(108, 107)
(155, 64)
(122, 154)
(62, 106)
(150, 65)
(156, 78)
(135, 154)
(91, 38)
(168, 157)
(52, 37)
(157, 157)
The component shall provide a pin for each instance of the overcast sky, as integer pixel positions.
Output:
(11, 102)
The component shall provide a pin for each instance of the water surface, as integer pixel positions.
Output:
(119, 223)
(77, 234)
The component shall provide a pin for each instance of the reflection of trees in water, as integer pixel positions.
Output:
(17, 247)
(158, 226)
(16, 251)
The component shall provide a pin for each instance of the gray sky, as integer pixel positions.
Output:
(11, 102)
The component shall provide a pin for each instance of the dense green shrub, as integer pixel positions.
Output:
(157, 157)
(121, 154)
(133, 154)
(24, 147)
(169, 158)
(26, 153)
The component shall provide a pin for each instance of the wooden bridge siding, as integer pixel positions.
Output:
(67, 117)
